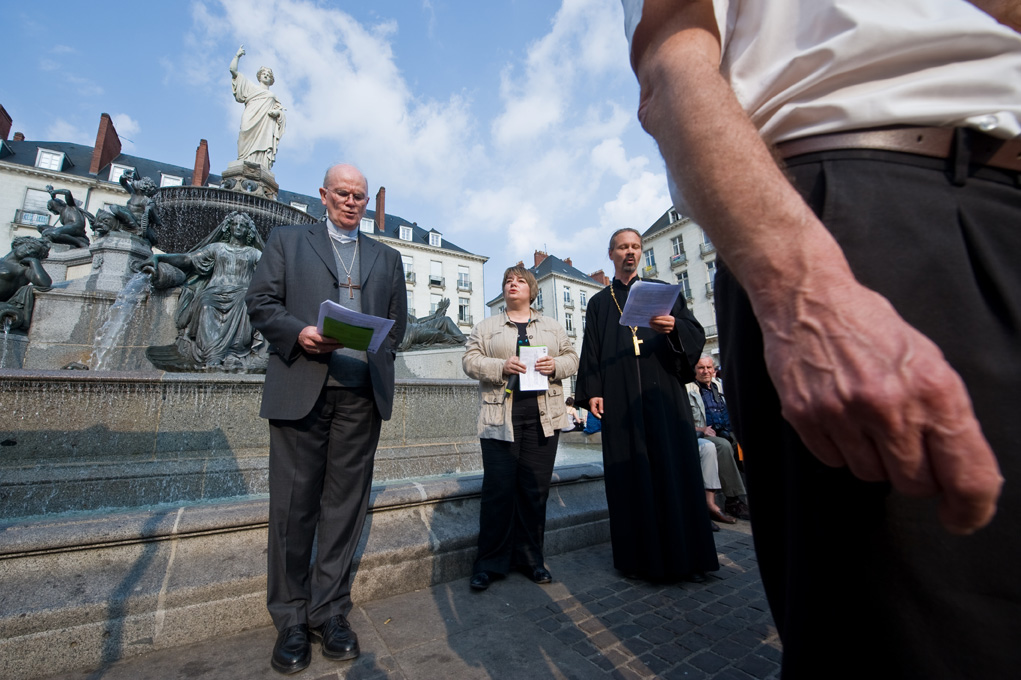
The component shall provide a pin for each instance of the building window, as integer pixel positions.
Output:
(677, 245)
(411, 302)
(682, 279)
(569, 322)
(707, 245)
(650, 258)
(567, 295)
(436, 273)
(170, 180)
(405, 233)
(434, 302)
(49, 160)
(583, 298)
(672, 216)
(463, 278)
(538, 300)
(464, 314)
(33, 211)
(367, 225)
(435, 239)
(303, 207)
(117, 170)
(710, 268)
(583, 322)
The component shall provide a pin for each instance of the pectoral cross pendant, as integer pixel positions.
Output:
(634, 338)
(351, 289)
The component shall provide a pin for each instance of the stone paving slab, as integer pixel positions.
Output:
(591, 622)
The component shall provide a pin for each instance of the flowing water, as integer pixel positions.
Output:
(120, 315)
(7, 329)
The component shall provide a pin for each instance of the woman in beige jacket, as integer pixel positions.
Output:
(518, 430)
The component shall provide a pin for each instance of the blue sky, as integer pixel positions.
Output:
(508, 126)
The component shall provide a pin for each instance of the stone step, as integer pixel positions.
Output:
(82, 590)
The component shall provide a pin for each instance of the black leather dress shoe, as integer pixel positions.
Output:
(480, 581)
(292, 651)
(339, 642)
(540, 574)
(696, 577)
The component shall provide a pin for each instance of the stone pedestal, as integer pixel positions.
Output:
(112, 257)
(250, 178)
(435, 364)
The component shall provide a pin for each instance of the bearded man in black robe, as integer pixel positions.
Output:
(633, 379)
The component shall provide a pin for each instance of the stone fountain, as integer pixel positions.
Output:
(133, 501)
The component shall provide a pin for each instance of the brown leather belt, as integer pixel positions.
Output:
(935, 142)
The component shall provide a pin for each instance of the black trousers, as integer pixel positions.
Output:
(863, 582)
(320, 473)
(515, 486)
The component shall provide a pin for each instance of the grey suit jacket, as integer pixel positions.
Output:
(296, 273)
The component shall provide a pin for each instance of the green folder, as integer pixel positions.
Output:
(352, 337)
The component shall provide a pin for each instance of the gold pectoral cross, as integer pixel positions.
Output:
(634, 338)
(351, 289)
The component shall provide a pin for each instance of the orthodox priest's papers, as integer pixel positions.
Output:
(647, 300)
(352, 329)
(531, 379)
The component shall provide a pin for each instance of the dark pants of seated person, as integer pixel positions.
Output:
(515, 486)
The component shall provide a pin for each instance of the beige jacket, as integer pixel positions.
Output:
(493, 341)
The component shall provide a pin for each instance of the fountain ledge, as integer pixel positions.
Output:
(81, 591)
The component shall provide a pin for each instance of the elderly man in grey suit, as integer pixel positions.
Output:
(325, 404)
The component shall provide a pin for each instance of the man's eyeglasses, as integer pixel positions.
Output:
(344, 195)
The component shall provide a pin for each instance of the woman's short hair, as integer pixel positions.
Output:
(518, 270)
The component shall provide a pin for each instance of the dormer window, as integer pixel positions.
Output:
(170, 180)
(49, 160)
(405, 233)
(367, 225)
(435, 239)
(117, 170)
(303, 207)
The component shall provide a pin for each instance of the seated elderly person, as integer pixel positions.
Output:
(712, 422)
(711, 480)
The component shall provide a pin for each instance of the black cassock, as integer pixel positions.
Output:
(659, 522)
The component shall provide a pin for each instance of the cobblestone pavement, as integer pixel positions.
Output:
(589, 623)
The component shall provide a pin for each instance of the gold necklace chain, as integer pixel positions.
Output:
(634, 329)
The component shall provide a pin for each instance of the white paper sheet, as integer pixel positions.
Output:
(531, 379)
(646, 300)
(353, 324)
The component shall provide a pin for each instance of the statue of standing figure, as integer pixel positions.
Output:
(21, 272)
(214, 332)
(263, 122)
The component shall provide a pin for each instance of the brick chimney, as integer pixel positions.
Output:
(381, 210)
(567, 261)
(601, 277)
(5, 122)
(108, 145)
(539, 257)
(19, 136)
(201, 172)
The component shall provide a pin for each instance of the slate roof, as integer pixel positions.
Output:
(554, 265)
(662, 223)
(80, 157)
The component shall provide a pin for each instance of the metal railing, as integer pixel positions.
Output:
(711, 332)
(709, 289)
(678, 260)
(706, 248)
(409, 277)
(438, 281)
(464, 285)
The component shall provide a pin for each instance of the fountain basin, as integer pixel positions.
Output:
(187, 214)
(82, 441)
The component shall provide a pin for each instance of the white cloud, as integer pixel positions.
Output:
(63, 131)
(127, 128)
(639, 203)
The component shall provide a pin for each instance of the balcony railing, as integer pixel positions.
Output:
(437, 281)
(31, 218)
(678, 260)
(650, 270)
(409, 277)
(687, 294)
(411, 311)
(464, 285)
(706, 248)
(465, 320)
(709, 289)
(571, 332)
(569, 303)
(711, 332)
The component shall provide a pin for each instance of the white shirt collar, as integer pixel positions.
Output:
(341, 235)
